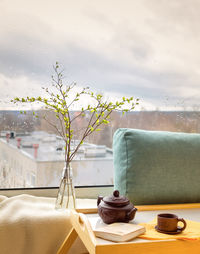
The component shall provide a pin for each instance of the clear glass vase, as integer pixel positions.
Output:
(66, 198)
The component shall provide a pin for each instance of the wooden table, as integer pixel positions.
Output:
(82, 227)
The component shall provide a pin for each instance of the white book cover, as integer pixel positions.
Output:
(118, 232)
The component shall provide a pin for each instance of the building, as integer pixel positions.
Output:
(36, 160)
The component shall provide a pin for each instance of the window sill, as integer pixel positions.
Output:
(82, 192)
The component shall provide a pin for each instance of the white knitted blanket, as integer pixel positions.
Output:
(31, 225)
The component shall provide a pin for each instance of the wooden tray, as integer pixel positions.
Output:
(82, 227)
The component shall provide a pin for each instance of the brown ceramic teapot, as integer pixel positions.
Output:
(115, 208)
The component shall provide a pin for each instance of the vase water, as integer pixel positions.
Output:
(66, 198)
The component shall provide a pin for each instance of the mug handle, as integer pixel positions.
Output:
(184, 224)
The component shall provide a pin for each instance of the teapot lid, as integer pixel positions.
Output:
(116, 199)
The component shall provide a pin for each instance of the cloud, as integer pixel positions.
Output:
(142, 48)
(19, 86)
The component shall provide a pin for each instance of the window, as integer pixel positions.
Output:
(144, 49)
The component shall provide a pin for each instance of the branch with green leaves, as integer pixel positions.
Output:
(61, 98)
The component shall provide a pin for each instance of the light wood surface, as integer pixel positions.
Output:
(82, 224)
(159, 247)
(167, 207)
(83, 227)
(90, 206)
(65, 247)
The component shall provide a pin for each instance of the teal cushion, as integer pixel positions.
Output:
(157, 167)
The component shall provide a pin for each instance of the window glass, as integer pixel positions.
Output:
(145, 49)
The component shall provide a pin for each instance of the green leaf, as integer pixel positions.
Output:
(58, 103)
(99, 96)
(105, 121)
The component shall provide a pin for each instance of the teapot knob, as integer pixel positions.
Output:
(116, 193)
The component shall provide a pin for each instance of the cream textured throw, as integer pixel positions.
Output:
(31, 225)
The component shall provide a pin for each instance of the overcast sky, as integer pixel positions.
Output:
(143, 48)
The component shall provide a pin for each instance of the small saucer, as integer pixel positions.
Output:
(178, 231)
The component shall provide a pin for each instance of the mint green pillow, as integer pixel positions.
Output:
(157, 167)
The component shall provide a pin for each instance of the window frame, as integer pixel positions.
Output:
(81, 191)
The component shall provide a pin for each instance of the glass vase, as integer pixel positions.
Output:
(66, 194)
